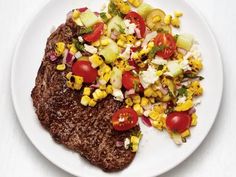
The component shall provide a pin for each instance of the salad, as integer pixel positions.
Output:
(129, 51)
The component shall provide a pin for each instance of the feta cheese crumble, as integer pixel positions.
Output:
(148, 77)
(126, 54)
(90, 49)
(117, 93)
(159, 61)
(130, 27)
(185, 65)
(80, 39)
(181, 100)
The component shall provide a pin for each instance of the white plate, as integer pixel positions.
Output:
(157, 153)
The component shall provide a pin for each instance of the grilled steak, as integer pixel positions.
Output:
(86, 130)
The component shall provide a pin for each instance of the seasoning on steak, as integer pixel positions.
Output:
(86, 130)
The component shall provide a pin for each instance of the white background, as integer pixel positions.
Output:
(216, 157)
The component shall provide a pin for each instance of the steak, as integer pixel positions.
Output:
(86, 130)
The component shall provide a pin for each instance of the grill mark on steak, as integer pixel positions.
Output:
(86, 130)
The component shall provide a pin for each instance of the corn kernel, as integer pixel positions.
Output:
(105, 42)
(120, 43)
(185, 134)
(96, 60)
(135, 56)
(153, 115)
(85, 100)
(138, 109)
(184, 106)
(134, 147)
(194, 120)
(125, 8)
(108, 16)
(156, 19)
(60, 48)
(134, 140)
(135, 3)
(167, 19)
(178, 13)
(102, 87)
(148, 92)
(87, 91)
(159, 108)
(136, 99)
(152, 100)
(131, 39)
(158, 124)
(61, 67)
(129, 101)
(175, 22)
(75, 14)
(144, 101)
(78, 79)
(159, 73)
(109, 89)
(104, 94)
(98, 94)
(151, 44)
(68, 75)
(73, 49)
(92, 103)
(96, 43)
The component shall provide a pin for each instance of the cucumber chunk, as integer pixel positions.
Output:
(174, 68)
(144, 9)
(116, 23)
(185, 41)
(88, 18)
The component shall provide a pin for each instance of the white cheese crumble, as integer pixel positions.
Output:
(80, 39)
(130, 27)
(194, 52)
(78, 54)
(126, 54)
(90, 49)
(181, 100)
(117, 93)
(159, 61)
(148, 77)
(185, 65)
(126, 143)
(148, 38)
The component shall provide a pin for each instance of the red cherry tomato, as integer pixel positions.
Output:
(96, 34)
(168, 42)
(129, 81)
(178, 121)
(83, 9)
(84, 69)
(138, 20)
(124, 119)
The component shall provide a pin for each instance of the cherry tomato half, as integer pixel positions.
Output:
(96, 34)
(178, 121)
(84, 69)
(138, 20)
(124, 119)
(168, 42)
(129, 81)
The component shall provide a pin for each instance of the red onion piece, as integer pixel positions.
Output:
(53, 56)
(129, 92)
(192, 110)
(138, 33)
(182, 51)
(83, 9)
(119, 143)
(70, 57)
(97, 13)
(65, 56)
(146, 121)
(95, 85)
(163, 90)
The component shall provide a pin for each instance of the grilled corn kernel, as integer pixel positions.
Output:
(87, 91)
(167, 19)
(151, 44)
(196, 88)
(184, 106)
(96, 43)
(158, 124)
(75, 14)
(175, 22)
(60, 48)
(159, 73)
(185, 134)
(156, 19)
(194, 120)
(98, 94)
(109, 89)
(104, 94)
(73, 49)
(68, 75)
(153, 115)
(125, 8)
(129, 101)
(102, 87)
(61, 67)
(152, 100)
(96, 60)
(122, 37)
(148, 92)
(134, 147)
(92, 103)
(144, 101)
(136, 99)
(131, 39)
(134, 140)
(85, 100)
(158, 108)
(105, 42)
(138, 108)
(135, 56)
(166, 98)
(178, 13)
(121, 43)
(135, 3)
(78, 79)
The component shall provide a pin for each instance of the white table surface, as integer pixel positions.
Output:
(216, 157)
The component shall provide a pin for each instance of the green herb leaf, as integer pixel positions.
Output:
(85, 30)
(193, 76)
(154, 50)
(182, 91)
(79, 46)
(121, 29)
(104, 16)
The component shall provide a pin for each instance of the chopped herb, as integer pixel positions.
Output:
(136, 84)
(113, 10)
(103, 15)
(182, 91)
(160, 67)
(193, 76)
(85, 30)
(121, 29)
(154, 50)
(79, 46)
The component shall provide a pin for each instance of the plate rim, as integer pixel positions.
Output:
(23, 31)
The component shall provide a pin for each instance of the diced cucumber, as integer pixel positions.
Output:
(116, 78)
(116, 23)
(88, 18)
(144, 9)
(174, 68)
(110, 52)
(185, 41)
